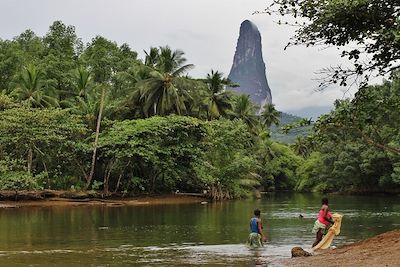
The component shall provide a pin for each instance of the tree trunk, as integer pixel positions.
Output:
(47, 174)
(107, 175)
(96, 139)
(29, 159)
(120, 177)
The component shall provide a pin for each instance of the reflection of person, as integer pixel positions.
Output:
(256, 235)
(322, 223)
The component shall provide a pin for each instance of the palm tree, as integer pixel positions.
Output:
(270, 115)
(87, 107)
(152, 57)
(31, 88)
(82, 86)
(160, 92)
(245, 110)
(219, 101)
(300, 146)
(131, 97)
(83, 83)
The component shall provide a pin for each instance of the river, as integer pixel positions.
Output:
(210, 235)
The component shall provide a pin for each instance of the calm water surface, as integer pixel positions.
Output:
(182, 235)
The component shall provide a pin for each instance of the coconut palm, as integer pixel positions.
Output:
(83, 82)
(82, 85)
(88, 107)
(300, 146)
(270, 115)
(152, 57)
(161, 94)
(304, 145)
(219, 101)
(31, 88)
(245, 110)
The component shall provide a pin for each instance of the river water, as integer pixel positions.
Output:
(210, 235)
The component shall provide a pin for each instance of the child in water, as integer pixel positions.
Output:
(322, 223)
(256, 236)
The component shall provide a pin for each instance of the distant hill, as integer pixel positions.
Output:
(289, 138)
(312, 112)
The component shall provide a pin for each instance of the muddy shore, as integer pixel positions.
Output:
(381, 250)
(50, 198)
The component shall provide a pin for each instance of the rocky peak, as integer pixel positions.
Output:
(248, 69)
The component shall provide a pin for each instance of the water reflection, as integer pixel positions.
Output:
(182, 235)
(257, 259)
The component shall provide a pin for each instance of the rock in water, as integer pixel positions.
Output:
(299, 252)
(248, 69)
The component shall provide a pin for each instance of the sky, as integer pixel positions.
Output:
(206, 30)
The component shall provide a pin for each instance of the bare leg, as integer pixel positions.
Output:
(318, 238)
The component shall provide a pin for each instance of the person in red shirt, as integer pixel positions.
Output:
(322, 223)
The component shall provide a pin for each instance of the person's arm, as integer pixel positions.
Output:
(260, 230)
(325, 215)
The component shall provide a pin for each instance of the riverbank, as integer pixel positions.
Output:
(381, 250)
(52, 198)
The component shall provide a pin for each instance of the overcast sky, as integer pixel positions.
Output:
(206, 30)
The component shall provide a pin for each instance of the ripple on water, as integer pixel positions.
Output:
(191, 254)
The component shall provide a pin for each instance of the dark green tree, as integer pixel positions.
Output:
(269, 115)
(161, 92)
(245, 110)
(31, 89)
(61, 52)
(219, 101)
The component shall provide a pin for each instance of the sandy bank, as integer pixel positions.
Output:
(381, 250)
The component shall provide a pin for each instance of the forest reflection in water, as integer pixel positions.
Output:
(182, 234)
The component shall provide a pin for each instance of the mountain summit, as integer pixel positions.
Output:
(248, 69)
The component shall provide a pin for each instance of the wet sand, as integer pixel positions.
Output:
(381, 250)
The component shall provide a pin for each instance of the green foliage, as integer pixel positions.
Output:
(32, 90)
(163, 131)
(374, 25)
(14, 177)
(162, 92)
(105, 58)
(60, 56)
(159, 150)
(309, 173)
(278, 165)
(289, 129)
(359, 141)
(48, 140)
(245, 110)
(227, 167)
(18, 181)
(6, 102)
(219, 101)
(25, 49)
(269, 115)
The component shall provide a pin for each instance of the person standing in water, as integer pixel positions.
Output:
(322, 223)
(256, 236)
